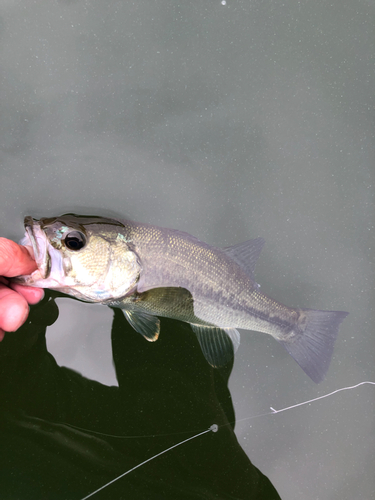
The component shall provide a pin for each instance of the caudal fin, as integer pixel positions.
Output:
(312, 348)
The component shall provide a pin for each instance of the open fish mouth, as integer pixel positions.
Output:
(37, 243)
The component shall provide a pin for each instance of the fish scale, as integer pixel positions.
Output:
(148, 271)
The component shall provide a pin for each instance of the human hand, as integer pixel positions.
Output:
(15, 299)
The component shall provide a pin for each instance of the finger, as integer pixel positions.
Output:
(15, 259)
(13, 309)
(2, 334)
(31, 294)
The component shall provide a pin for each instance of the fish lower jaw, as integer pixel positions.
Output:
(37, 280)
(29, 280)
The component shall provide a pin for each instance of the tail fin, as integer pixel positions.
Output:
(312, 347)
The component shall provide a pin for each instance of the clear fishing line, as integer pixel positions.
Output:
(273, 411)
(212, 428)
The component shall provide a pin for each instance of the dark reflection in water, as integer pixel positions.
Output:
(167, 392)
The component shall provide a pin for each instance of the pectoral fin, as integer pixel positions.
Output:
(218, 344)
(143, 323)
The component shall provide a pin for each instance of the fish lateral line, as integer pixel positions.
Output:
(132, 266)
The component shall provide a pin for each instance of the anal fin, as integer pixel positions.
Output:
(218, 344)
(143, 323)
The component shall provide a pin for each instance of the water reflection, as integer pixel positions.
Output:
(60, 432)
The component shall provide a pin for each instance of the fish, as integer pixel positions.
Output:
(151, 272)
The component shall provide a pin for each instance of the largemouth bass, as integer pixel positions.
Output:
(148, 271)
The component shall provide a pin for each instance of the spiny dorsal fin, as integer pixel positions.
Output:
(246, 254)
(218, 344)
(143, 323)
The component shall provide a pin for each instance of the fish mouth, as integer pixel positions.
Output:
(37, 243)
(50, 272)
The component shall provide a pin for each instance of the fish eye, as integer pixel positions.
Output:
(75, 240)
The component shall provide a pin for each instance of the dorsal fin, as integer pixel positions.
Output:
(218, 344)
(246, 254)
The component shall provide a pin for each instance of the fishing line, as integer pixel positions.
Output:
(91, 431)
(273, 411)
(321, 397)
(213, 428)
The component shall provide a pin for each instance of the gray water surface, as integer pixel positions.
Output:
(229, 120)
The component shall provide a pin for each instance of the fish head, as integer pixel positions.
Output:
(90, 258)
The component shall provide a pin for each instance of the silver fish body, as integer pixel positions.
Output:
(149, 271)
